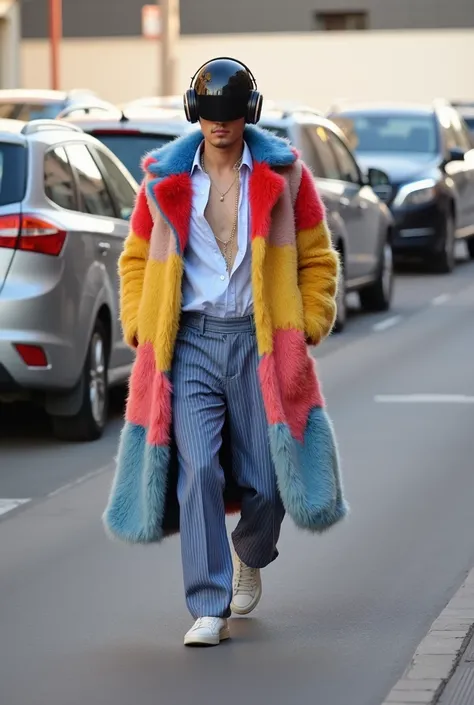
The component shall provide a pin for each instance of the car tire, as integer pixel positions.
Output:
(341, 300)
(445, 261)
(89, 422)
(470, 247)
(378, 296)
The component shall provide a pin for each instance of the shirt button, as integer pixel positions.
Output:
(222, 278)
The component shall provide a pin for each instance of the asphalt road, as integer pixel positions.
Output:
(87, 620)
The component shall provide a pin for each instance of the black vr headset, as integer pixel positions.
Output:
(223, 90)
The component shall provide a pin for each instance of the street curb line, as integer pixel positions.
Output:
(439, 653)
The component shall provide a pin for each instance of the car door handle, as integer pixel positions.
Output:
(103, 247)
(344, 202)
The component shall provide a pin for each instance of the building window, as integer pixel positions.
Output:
(341, 21)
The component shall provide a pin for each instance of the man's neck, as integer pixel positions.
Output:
(221, 160)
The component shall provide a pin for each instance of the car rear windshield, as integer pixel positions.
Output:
(131, 148)
(390, 133)
(12, 173)
(30, 111)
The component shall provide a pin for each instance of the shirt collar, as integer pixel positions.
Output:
(246, 158)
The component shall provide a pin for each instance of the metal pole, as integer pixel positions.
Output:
(170, 29)
(55, 34)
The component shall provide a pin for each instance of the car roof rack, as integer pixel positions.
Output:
(90, 107)
(39, 125)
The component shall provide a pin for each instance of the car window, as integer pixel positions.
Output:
(462, 136)
(13, 170)
(119, 186)
(320, 138)
(30, 111)
(58, 179)
(406, 132)
(309, 152)
(95, 196)
(347, 166)
(130, 148)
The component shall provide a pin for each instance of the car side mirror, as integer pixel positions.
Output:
(456, 154)
(377, 177)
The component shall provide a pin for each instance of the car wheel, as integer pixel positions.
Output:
(445, 261)
(378, 296)
(470, 247)
(89, 423)
(341, 300)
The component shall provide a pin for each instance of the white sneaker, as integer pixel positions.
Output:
(207, 631)
(247, 587)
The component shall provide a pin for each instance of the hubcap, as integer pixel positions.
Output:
(387, 273)
(97, 381)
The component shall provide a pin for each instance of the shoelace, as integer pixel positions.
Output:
(245, 579)
(205, 622)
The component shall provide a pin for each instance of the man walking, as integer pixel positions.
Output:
(227, 275)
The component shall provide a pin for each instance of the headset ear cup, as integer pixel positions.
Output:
(254, 107)
(191, 106)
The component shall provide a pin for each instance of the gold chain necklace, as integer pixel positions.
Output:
(236, 168)
(226, 246)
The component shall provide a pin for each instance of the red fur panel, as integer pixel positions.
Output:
(160, 417)
(309, 208)
(270, 390)
(141, 222)
(141, 388)
(265, 188)
(296, 374)
(174, 195)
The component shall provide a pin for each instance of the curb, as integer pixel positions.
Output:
(440, 652)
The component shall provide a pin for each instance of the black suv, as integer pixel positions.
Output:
(428, 155)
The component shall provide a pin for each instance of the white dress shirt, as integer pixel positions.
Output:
(207, 286)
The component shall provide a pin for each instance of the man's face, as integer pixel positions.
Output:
(223, 134)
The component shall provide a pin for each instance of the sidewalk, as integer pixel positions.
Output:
(442, 669)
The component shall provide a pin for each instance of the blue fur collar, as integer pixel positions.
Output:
(177, 156)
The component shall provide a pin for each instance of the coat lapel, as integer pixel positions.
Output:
(169, 182)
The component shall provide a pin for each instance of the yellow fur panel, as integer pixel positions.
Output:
(158, 318)
(281, 281)
(318, 270)
(131, 266)
(263, 321)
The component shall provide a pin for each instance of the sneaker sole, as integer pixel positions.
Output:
(207, 640)
(246, 610)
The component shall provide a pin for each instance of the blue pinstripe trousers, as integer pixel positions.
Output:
(214, 372)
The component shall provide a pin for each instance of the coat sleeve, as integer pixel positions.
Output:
(132, 263)
(318, 261)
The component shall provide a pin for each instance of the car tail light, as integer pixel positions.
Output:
(31, 234)
(32, 355)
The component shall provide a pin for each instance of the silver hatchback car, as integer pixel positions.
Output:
(65, 200)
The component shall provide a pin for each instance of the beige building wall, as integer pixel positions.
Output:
(319, 69)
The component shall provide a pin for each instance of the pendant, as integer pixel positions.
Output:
(222, 199)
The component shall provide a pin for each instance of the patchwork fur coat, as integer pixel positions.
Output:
(294, 277)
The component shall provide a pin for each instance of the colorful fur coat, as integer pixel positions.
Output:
(294, 276)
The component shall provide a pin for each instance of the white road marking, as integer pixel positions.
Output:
(440, 300)
(386, 323)
(81, 479)
(424, 399)
(7, 505)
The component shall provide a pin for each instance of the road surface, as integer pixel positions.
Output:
(87, 620)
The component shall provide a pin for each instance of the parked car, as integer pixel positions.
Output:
(65, 201)
(31, 104)
(428, 155)
(466, 111)
(133, 133)
(361, 225)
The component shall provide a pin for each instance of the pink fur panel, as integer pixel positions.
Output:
(140, 397)
(289, 383)
(282, 230)
(162, 241)
(160, 416)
